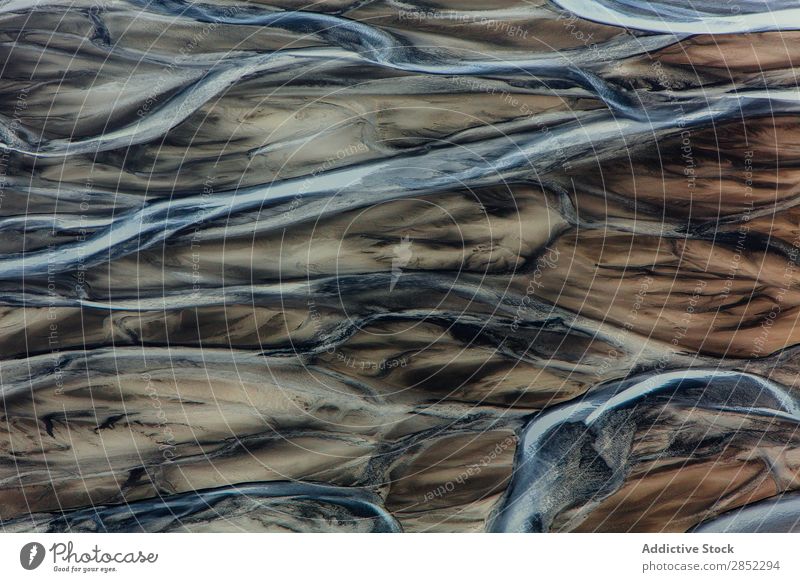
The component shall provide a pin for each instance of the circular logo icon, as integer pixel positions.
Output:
(31, 555)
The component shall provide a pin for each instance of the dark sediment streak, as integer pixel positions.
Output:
(270, 504)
